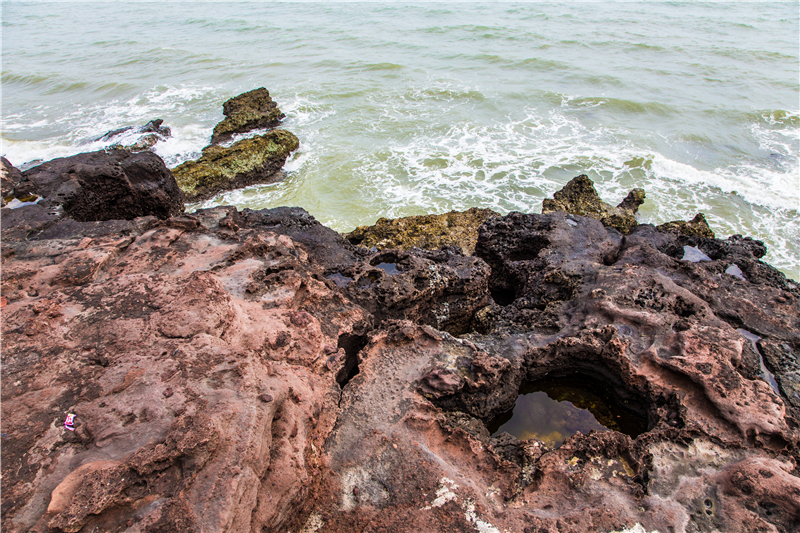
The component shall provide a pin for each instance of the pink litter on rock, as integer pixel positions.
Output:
(68, 423)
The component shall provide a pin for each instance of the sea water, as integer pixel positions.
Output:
(407, 109)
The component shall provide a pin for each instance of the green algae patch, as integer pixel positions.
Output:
(248, 111)
(247, 162)
(431, 232)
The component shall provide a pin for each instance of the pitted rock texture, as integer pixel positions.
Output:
(430, 232)
(248, 111)
(253, 371)
(248, 161)
(105, 185)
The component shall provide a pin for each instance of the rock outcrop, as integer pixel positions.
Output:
(247, 112)
(431, 232)
(579, 197)
(104, 185)
(697, 227)
(254, 371)
(249, 161)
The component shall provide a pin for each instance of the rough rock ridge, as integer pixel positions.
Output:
(253, 371)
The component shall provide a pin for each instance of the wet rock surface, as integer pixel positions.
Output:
(254, 371)
(249, 161)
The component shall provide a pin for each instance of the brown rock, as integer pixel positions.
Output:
(430, 232)
(697, 227)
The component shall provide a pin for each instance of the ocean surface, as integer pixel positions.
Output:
(407, 109)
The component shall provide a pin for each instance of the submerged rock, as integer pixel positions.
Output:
(247, 112)
(430, 232)
(249, 161)
(579, 197)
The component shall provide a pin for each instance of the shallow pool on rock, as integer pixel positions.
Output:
(553, 409)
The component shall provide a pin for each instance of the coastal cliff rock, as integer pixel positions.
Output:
(253, 371)
(248, 111)
(579, 197)
(430, 232)
(249, 161)
(104, 185)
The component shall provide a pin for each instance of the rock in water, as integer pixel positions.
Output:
(430, 232)
(246, 112)
(106, 185)
(247, 162)
(579, 197)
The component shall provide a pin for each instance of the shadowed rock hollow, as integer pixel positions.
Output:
(253, 371)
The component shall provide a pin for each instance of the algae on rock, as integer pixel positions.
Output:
(247, 162)
(248, 111)
(579, 197)
(426, 231)
(697, 227)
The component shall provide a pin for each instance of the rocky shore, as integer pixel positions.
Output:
(232, 370)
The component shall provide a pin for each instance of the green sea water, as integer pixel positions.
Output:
(406, 109)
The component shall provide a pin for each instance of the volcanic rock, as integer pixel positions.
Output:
(248, 111)
(430, 232)
(579, 197)
(253, 371)
(105, 185)
(249, 161)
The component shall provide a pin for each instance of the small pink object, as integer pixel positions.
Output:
(68, 423)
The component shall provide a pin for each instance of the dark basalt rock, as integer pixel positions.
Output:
(105, 185)
(249, 111)
(247, 162)
(579, 197)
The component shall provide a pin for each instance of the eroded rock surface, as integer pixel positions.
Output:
(253, 371)
(249, 161)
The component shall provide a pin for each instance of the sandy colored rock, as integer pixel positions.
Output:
(249, 161)
(429, 232)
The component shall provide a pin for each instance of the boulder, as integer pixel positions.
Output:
(249, 111)
(430, 232)
(247, 162)
(579, 197)
(105, 185)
